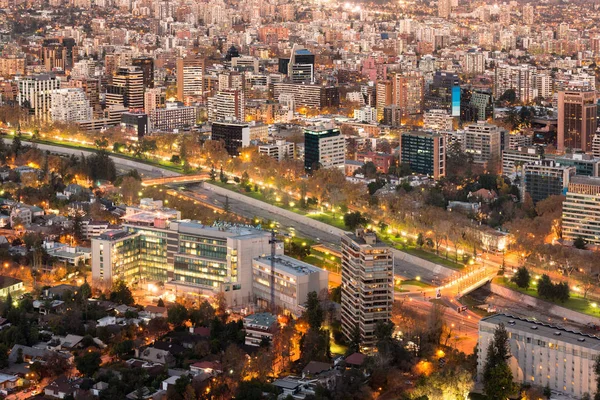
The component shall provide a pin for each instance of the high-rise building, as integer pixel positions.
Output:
(444, 8)
(438, 121)
(408, 92)
(596, 145)
(581, 210)
(35, 94)
(520, 78)
(300, 67)
(424, 152)
(323, 148)
(367, 286)
(128, 85)
(546, 178)
(234, 135)
(483, 102)
(70, 105)
(392, 115)
(54, 56)
(308, 95)
(549, 356)
(513, 159)
(146, 64)
(190, 78)
(577, 119)
(280, 150)
(483, 141)
(474, 62)
(528, 14)
(383, 97)
(227, 105)
(173, 118)
(191, 259)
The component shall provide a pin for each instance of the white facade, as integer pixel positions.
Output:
(280, 150)
(294, 280)
(482, 140)
(70, 105)
(438, 121)
(366, 114)
(37, 91)
(544, 355)
(227, 105)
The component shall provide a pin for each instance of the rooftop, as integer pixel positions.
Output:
(290, 265)
(546, 330)
(265, 320)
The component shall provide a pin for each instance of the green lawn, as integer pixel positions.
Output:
(330, 219)
(576, 302)
(414, 282)
(434, 258)
(163, 164)
(324, 261)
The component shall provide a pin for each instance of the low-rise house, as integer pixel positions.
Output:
(31, 354)
(10, 285)
(60, 388)
(259, 327)
(211, 368)
(49, 307)
(154, 312)
(8, 382)
(68, 342)
(98, 387)
(155, 355)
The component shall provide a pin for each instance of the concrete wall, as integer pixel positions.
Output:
(124, 162)
(400, 257)
(541, 304)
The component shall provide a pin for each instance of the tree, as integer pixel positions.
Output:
(314, 311)
(522, 278)
(222, 176)
(121, 294)
(226, 207)
(354, 219)
(160, 303)
(579, 243)
(420, 240)
(213, 174)
(89, 363)
(130, 187)
(177, 315)
(497, 377)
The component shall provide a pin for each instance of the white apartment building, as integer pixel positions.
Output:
(437, 121)
(596, 145)
(279, 150)
(474, 62)
(323, 148)
(512, 160)
(294, 280)
(483, 141)
(366, 114)
(521, 78)
(544, 355)
(581, 210)
(70, 105)
(36, 91)
(227, 104)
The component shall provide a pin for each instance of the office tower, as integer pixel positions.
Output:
(367, 286)
(190, 78)
(227, 105)
(146, 64)
(546, 178)
(174, 117)
(300, 67)
(134, 124)
(577, 119)
(383, 97)
(444, 8)
(560, 359)
(128, 85)
(520, 78)
(474, 62)
(191, 259)
(35, 94)
(392, 115)
(513, 159)
(585, 164)
(424, 152)
(438, 121)
(483, 141)
(408, 92)
(294, 280)
(70, 105)
(309, 96)
(442, 90)
(528, 14)
(581, 210)
(323, 148)
(234, 135)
